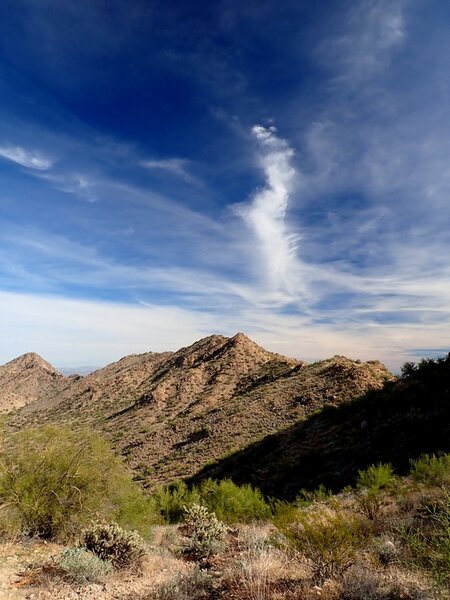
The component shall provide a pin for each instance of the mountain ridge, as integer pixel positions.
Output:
(170, 413)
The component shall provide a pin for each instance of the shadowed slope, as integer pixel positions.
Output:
(403, 420)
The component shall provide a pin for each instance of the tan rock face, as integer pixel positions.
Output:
(25, 379)
(169, 414)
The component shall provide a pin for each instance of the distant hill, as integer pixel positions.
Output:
(401, 421)
(25, 379)
(170, 414)
(81, 370)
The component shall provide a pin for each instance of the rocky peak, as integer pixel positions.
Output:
(30, 360)
(24, 379)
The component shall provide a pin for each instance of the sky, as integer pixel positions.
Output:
(171, 170)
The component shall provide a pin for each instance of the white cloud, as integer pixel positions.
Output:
(179, 167)
(25, 158)
(80, 185)
(266, 212)
(69, 331)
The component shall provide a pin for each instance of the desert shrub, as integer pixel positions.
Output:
(431, 469)
(81, 566)
(427, 540)
(232, 503)
(110, 542)
(362, 584)
(254, 538)
(170, 501)
(376, 477)
(53, 479)
(205, 532)
(327, 538)
(257, 567)
(198, 584)
(371, 484)
(251, 576)
(307, 497)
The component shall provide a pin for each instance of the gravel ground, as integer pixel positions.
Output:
(17, 562)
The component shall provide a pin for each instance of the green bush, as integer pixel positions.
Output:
(230, 502)
(233, 503)
(327, 538)
(170, 501)
(81, 566)
(376, 477)
(307, 497)
(431, 469)
(205, 532)
(53, 480)
(426, 540)
(110, 542)
(371, 484)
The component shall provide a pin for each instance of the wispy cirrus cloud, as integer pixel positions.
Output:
(373, 30)
(26, 158)
(177, 167)
(266, 212)
(83, 186)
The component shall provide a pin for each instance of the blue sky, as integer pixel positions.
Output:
(171, 170)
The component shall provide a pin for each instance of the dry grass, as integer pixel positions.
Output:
(257, 567)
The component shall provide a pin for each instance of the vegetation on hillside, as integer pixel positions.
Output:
(385, 536)
(327, 545)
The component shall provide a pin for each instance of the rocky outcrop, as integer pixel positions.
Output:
(24, 379)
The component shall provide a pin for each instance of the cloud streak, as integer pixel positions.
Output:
(266, 212)
(25, 158)
(178, 167)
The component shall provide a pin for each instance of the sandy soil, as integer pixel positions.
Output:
(17, 576)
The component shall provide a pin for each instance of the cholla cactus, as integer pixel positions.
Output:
(206, 532)
(110, 542)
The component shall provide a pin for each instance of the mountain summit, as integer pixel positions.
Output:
(25, 379)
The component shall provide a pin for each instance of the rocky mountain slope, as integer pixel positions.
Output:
(170, 414)
(405, 419)
(25, 379)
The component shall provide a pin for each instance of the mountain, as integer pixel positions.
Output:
(169, 414)
(24, 379)
(408, 417)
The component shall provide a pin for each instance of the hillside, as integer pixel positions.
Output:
(170, 414)
(405, 419)
(25, 379)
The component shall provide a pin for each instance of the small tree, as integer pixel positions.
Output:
(53, 479)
